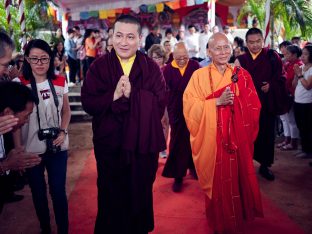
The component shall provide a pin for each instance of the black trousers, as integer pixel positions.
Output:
(264, 144)
(56, 166)
(73, 69)
(125, 200)
(303, 117)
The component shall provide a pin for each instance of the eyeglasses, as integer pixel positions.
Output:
(36, 60)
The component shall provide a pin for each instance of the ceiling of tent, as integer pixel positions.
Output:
(90, 5)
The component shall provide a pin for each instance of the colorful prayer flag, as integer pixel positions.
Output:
(159, 7)
(103, 14)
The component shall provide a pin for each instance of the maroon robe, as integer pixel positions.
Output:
(180, 153)
(127, 137)
(170, 58)
(262, 70)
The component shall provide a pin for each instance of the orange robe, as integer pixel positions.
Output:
(222, 145)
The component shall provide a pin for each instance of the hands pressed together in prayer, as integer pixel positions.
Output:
(297, 70)
(123, 88)
(265, 87)
(226, 98)
(18, 160)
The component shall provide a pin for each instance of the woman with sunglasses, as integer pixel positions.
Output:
(46, 134)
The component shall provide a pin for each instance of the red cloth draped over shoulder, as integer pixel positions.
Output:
(236, 131)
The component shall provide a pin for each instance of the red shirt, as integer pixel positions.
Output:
(290, 74)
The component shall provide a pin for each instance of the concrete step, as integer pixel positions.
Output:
(75, 106)
(80, 116)
(77, 112)
(74, 97)
(75, 88)
(74, 94)
(75, 103)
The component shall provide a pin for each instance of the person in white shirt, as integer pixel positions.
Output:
(169, 37)
(191, 42)
(215, 29)
(303, 101)
(228, 34)
(203, 40)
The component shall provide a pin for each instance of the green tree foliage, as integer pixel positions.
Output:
(35, 16)
(256, 8)
(294, 15)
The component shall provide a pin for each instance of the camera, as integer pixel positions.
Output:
(49, 134)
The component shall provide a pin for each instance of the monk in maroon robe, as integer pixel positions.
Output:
(125, 93)
(177, 75)
(265, 69)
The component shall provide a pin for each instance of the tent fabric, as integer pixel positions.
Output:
(95, 5)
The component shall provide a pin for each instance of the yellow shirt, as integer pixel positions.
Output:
(254, 56)
(127, 65)
(175, 65)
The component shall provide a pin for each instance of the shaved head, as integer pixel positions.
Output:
(180, 54)
(215, 37)
(179, 47)
(219, 48)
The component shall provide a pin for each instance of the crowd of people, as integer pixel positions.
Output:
(220, 97)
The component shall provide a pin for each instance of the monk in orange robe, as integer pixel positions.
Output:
(221, 110)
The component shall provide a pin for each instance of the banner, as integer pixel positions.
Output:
(267, 32)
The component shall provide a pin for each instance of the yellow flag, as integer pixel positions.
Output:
(159, 7)
(103, 14)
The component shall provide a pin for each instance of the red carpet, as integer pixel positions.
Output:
(181, 213)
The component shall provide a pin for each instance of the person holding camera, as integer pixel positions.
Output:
(46, 134)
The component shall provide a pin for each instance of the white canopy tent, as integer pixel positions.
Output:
(93, 5)
(90, 5)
